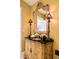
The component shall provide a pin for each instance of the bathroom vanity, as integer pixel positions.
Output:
(38, 49)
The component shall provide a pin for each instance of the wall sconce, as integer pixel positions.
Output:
(30, 23)
(48, 18)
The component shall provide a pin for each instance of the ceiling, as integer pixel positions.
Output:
(31, 2)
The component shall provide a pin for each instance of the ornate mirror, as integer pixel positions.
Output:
(40, 19)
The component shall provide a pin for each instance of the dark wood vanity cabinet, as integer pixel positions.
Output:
(35, 49)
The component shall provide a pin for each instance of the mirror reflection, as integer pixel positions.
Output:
(41, 24)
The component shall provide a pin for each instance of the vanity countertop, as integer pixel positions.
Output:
(38, 39)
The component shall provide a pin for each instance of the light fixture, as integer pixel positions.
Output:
(48, 18)
(30, 22)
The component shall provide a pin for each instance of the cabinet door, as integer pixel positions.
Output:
(27, 49)
(36, 54)
(48, 51)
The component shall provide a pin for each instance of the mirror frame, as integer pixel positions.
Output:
(45, 7)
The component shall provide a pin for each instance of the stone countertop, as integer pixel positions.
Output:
(42, 40)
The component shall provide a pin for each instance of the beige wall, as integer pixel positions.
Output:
(25, 18)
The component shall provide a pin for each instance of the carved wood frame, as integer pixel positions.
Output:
(45, 7)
